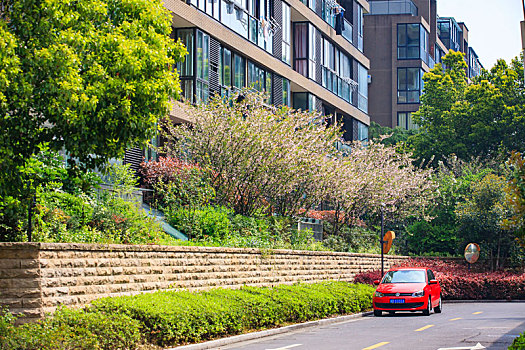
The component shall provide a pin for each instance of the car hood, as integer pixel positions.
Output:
(401, 287)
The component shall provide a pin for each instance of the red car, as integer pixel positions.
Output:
(407, 289)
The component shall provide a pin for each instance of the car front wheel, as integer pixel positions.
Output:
(439, 308)
(378, 313)
(429, 307)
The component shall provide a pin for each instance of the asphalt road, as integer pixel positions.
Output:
(462, 326)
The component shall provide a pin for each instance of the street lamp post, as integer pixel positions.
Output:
(382, 238)
(523, 36)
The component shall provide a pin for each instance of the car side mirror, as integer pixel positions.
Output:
(376, 282)
(433, 282)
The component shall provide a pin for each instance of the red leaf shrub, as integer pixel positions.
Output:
(457, 283)
(166, 169)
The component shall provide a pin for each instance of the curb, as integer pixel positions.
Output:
(481, 301)
(269, 332)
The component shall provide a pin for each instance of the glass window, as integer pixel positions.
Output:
(336, 70)
(203, 66)
(405, 121)
(409, 85)
(301, 48)
(362, 131)
(311, 51)
(185, 68)
(360, 27)
(286, 92)
(362, 80)
(412, 41)
(287, 33)
(238, 71)
(304, 101)
(405, 276)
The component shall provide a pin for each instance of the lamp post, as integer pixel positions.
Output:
(382, 238)
(523, 36)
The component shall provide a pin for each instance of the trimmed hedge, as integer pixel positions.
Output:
(457, 283)
(518, 343)
(170, 318)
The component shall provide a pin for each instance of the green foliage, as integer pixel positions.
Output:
(208, 223)
(170, 318)
(396, 136)
(516, 196)
(481, 216)
(352, 239)
(518, 343)
(483, 118)
(74, 329)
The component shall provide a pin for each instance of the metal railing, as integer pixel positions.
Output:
(396, 7)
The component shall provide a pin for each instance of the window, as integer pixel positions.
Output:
(304, 101)
(185, 68)
(408, 41)
(259, 79)
(336, 70)
(362, 80)
(304, 49)
(287, 34)
(360, 27)
(239, 74)
(409, 85)
(405, 121)
(362, 131)
(203, 66)
(225, 71)
(286, 92)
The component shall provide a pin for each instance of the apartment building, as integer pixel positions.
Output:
(305, 54)
(404, 40)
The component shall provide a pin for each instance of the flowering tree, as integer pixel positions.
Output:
(375, 176)
(262, 157)
(279, 160)
(516, 196)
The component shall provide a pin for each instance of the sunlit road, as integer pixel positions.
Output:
(461, 326)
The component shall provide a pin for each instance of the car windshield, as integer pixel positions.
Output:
(405, 276)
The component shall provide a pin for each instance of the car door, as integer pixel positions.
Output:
(434, 288)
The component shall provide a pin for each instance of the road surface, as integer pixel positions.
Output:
(460, 326)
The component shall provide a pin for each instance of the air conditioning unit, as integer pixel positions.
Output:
(316, 226)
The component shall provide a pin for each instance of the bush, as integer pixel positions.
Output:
(74, 329)
(518, 343)
(459, 284)
(208, 223)
(169, 318)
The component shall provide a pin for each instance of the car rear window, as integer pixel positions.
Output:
(405, 276)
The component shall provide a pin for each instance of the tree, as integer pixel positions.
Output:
(479, 119)
(516, 196)
(92, 77)
(482, 215)
(262, 158)
(279, 161)
(394, 136)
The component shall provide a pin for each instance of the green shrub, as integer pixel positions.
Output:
(518, 343)
(169, 318)
(76, 329)
(208, 223)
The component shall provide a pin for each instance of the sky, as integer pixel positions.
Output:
(494, 26)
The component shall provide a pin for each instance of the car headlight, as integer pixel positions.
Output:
(379, 294)
(419, 294)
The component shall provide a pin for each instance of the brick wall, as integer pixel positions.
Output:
(35, 278)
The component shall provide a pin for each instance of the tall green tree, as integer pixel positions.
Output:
(470, 120)
(92, 77)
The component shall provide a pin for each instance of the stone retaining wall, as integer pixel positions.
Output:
(35, 278)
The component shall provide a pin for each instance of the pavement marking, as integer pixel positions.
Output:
(287, 347)
(477, 312)
(423, 328)
(377, 345)
(478, 346)
(455, 319)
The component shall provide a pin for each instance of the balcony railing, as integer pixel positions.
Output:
(348, 32)
(396, 7)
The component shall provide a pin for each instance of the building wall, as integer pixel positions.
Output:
(35, 278)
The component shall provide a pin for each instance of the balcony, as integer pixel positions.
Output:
(396, 7)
